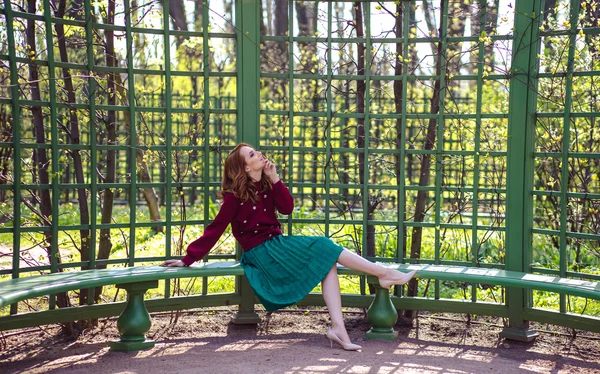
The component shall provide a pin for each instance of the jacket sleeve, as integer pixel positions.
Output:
(200, 247)
(284, 202)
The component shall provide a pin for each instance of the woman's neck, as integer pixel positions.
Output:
(255, 176)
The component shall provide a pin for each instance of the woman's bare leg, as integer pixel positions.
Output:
(387, 277)
(333, 300)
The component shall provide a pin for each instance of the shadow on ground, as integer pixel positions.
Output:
(446, 347)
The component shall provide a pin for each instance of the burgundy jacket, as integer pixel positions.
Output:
(252, 224)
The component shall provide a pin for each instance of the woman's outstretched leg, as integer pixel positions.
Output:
(387, 277)
(333, 300)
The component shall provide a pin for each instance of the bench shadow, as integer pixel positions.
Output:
(248, 350)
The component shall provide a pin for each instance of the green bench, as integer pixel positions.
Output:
(134, 321)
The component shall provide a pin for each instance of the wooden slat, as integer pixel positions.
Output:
(15, 290)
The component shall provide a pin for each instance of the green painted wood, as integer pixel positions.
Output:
(521, 122)
(89, 40)
(248, 67)
(204, 301)
(24, 288)
(133, 134)
(382, 315)
(114, 309)
(16, 134)
(248, 117)
(566, 144)
(134, 322)
(168, 133)
(15, 290)
(570, 320)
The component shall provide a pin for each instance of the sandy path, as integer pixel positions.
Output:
(237, 350)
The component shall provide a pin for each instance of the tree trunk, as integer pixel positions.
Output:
(73, 135)
(458, 17)
(177, 13)
(143, 173)
(62, 300)
(592, 20)
(6, 156)
(415, 248)
(307, 50)
(281, 25)
(105, 243)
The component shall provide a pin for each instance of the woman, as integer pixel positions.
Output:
(281, 269)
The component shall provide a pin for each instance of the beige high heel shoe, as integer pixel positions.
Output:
(334, 338)
(387, 283)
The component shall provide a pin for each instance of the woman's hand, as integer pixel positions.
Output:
(173, 263)
(271, 172)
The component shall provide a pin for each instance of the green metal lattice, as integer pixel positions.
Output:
(486, 200)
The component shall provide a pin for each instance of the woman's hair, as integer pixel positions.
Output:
(237, 181)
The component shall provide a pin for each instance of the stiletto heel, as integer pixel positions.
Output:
(387, 283)
(334, 338)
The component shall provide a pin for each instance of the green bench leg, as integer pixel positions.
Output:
(246, 314)
(521, 334)
(134, 322)
(382, 315)
(518, 329)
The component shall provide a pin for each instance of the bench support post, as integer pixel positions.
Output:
(382, 315)
(134, 322)
(246, 314)
(522, 334)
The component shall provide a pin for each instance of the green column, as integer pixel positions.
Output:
(248, 70)
(521, 124)
(134, 322)
(382, 314)
(248, 119)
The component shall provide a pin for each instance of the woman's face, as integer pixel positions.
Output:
(255, 161)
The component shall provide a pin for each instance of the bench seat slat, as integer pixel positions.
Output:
(15, 290)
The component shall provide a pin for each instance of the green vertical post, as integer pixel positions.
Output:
(401, 246)
(54, 175)
(248, 68)
(248, 118)
(89, 38)
(205, 66)
(367, 109)
(566, 141)
(482, 4)
(132, 135)
(439, 148)
(519, 181)
(329, 117)
(291, 106)
(168, 136)
(16, 114)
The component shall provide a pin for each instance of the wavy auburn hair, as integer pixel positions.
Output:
(237, 181)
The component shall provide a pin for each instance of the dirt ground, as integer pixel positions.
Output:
(294, 342)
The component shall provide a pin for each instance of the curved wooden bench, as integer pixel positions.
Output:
(135, 321)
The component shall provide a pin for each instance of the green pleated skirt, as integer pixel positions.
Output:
(284, 269)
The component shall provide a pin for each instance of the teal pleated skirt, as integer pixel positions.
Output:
(284, 269)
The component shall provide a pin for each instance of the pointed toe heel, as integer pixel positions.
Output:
(332, 336)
